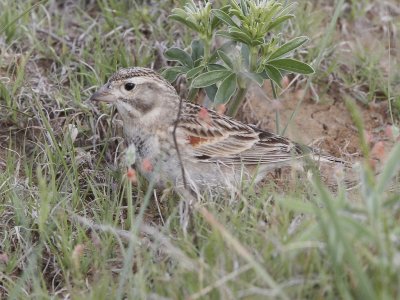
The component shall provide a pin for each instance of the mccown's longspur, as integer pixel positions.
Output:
(215, 150)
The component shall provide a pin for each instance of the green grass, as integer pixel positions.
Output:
(72, 226)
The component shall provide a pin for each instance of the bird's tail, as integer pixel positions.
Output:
(334, 170)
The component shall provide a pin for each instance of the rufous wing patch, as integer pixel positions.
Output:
(195, 140)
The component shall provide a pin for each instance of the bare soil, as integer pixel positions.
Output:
(328, 125)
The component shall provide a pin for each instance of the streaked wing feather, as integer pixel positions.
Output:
(222, 139)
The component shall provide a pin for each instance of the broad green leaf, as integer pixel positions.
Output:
(214, 67)
(197, 50)
(274, 74)
(211, 91)
(289, 46)
(257, 78)
(245, 31)
(194, 72)
(216, 21)
(226, 89)
(179, 11)
(224, 17)
(237, 12)
(235, 8)
(245, 53)
(278, 21)
(172, 73)
(184, 21)
(243, 6)
(291, 65)
(268, 15)
(264, 74)
(288, 9)
(225, 47)
(177, 54)
(225, 58)
(210, 78)
(224, 33)
(240, 36)
(237, 36)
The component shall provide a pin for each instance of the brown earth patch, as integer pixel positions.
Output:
(326, 125)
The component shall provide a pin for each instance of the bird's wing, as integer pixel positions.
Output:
(212, 137)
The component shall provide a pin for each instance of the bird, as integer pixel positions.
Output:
(182, 143)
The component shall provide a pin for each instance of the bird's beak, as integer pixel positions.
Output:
(103, 95)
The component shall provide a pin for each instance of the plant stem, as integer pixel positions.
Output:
(207, 49)
(253, 59)
(234, 107)
(277, 117)
(243, 86)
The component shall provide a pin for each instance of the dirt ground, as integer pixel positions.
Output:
(326, 125)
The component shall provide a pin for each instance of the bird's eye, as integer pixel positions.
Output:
(129, 86)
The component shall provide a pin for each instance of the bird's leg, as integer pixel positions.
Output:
(278, 173)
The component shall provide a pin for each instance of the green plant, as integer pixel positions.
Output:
(253, 51)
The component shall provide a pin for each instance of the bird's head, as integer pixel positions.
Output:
(140, 95)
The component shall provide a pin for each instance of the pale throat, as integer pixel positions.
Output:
(149, 124)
